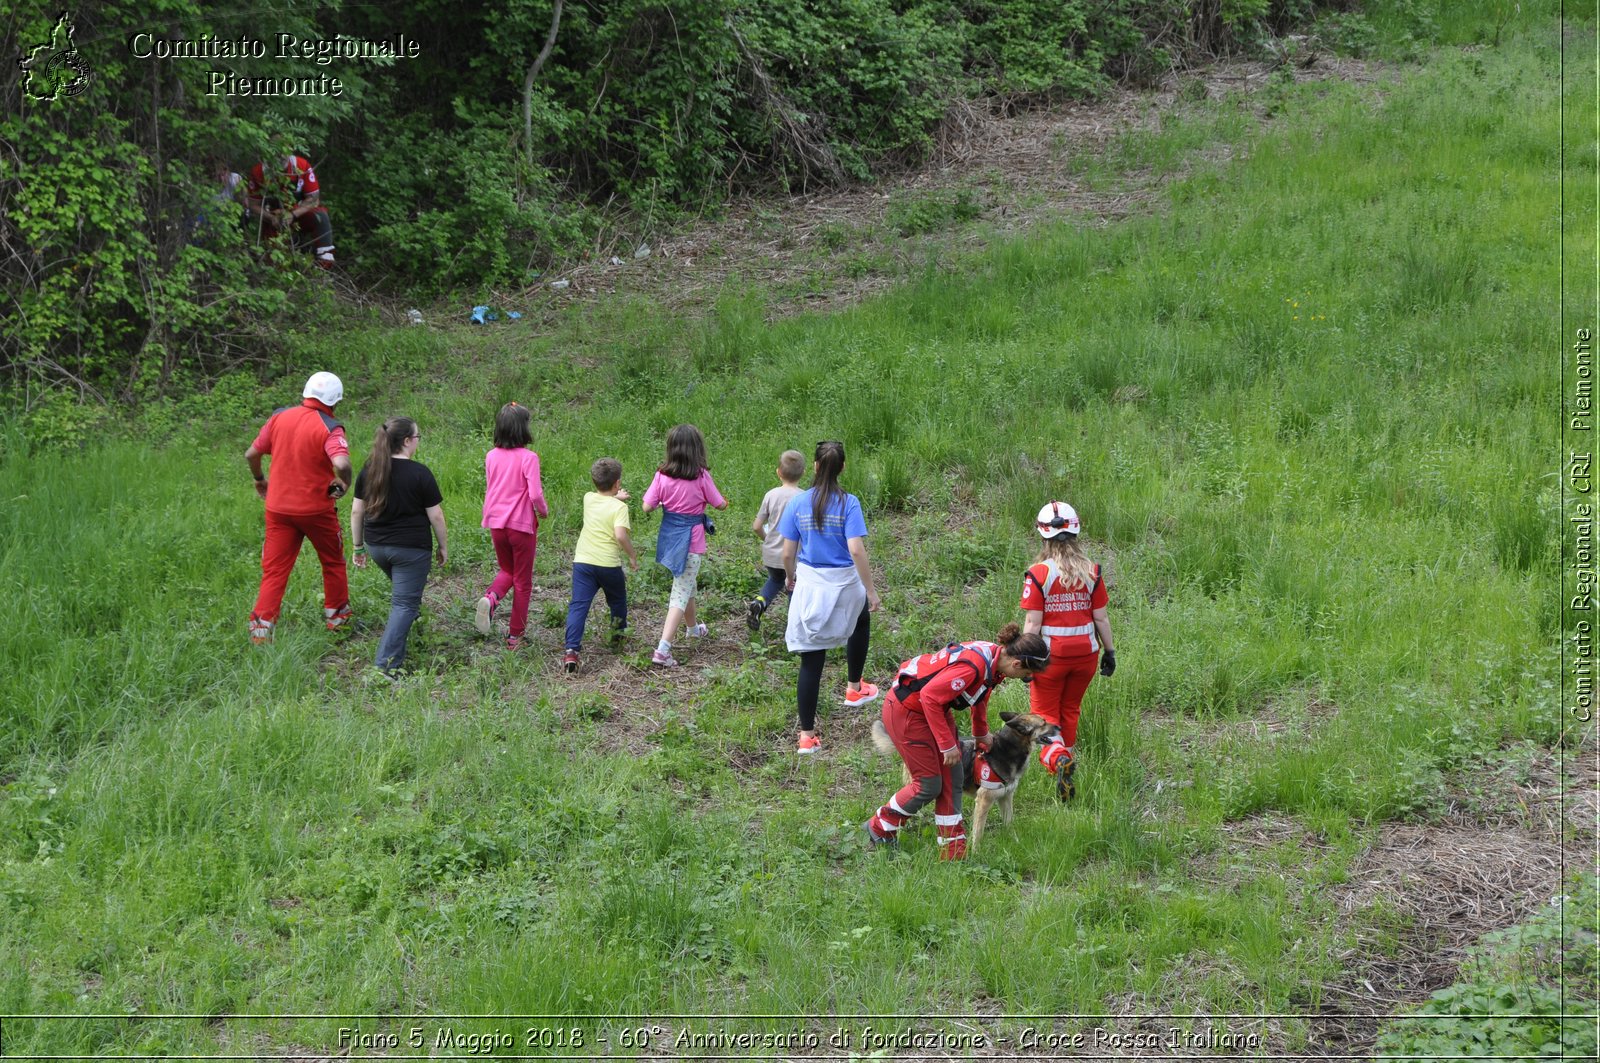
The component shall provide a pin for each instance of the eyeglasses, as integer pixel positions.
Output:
(830, 443)
(1033, 661)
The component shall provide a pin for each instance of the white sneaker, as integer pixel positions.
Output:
(482, 620)
(699, 631)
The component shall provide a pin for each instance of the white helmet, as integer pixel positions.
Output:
(1058, 518)
(325, 388)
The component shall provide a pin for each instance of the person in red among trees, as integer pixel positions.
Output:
(918, 715)
(1064, 599)
(289, 197)
(310, 473)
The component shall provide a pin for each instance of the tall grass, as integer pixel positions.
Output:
(1295, 406)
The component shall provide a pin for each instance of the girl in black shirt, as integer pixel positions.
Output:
(394, 519)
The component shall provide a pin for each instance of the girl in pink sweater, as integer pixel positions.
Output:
(512, 505)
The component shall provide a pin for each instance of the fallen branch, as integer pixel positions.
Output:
(792, 132)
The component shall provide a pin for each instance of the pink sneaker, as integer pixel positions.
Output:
(865, 696)
(513, 641)
(663, 660)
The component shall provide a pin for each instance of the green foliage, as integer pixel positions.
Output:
(447, 215)
(1025, 47)
(1528, 991)
(123, 276)
(1347, 33)
(1315, 621)
(925, 212)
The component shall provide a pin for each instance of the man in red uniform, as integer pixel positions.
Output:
(310, 472)
(290, 198)
(918, 716)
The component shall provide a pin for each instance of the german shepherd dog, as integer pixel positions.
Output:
(1010, 749)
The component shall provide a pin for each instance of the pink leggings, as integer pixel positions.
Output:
(514, 550)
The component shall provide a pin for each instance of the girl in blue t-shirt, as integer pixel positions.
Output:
(830, 580)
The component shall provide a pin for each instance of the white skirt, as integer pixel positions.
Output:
(824, 609)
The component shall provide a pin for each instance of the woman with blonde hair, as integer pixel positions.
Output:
(1064, 600)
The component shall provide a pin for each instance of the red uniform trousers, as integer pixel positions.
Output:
(285, 533)
(312, 230)
(1057, 692)
(514, 551)
(914, 740)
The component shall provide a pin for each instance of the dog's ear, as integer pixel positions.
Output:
(1007, 717)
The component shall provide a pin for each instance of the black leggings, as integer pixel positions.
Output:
(855, 658)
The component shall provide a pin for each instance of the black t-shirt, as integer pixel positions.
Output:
(404, 520)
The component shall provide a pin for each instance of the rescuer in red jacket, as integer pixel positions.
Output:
(289, 197)
(310, 473)
(919, 716)
(1064, 599)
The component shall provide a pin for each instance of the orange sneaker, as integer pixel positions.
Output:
(865, 696)
(807, 745)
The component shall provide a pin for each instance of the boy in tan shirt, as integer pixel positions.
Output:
(791, 466)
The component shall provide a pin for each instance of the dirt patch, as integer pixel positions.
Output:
(1414, 900)
(832, 249)
(1439, 889)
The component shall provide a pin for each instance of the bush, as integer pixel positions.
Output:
(119, 285)
(121, 275)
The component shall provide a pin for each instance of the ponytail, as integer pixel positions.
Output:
(392, 435)
(825, 484)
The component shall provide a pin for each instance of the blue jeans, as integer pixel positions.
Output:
(407, 568)
(586, 580)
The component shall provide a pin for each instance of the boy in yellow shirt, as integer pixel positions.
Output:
(597, 563)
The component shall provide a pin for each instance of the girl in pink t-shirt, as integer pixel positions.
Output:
(683, 488)
(512, 505)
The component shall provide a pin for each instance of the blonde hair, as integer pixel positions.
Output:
(792, 465)
(1069, 557)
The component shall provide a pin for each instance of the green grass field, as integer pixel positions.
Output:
(1302, 407)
